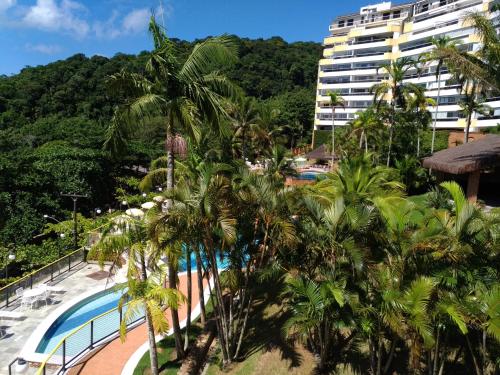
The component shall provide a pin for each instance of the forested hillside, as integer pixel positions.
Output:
(53, 120)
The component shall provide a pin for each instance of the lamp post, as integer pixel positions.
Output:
(74, 197)
(11, 257)
(123, 203)
(97, 211)
(62, 235)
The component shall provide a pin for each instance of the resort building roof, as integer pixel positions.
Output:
(466, 158)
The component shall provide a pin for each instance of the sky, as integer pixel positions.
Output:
(34, 32)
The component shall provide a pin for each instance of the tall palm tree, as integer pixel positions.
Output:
(369, 123)
(357, 181)
(336, 100)
(470, 104)
(129, 236)
(244, 115)
(418, 104)
(442, 45)
(482, 65)
(398, 90)
(182, 94)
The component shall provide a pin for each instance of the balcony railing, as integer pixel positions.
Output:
(43, 275)
(445, 10)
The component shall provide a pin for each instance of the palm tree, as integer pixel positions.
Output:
(470, 105)
(418, 103)
(442, 45)
(358, 181)
(244, 116)
(481, 66)
(129, 236)
(398, 90)
(182, 94)
(370, 124)
(336, 100)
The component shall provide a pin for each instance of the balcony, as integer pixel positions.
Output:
(436, 10)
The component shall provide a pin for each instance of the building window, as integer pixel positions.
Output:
(396, 14)
(442, 3)
(350, 22)
(386, 16)
(425, 8)
(341, 23)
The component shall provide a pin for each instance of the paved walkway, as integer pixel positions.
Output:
(112, 357)
(74, 283)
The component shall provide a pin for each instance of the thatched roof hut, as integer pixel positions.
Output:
(468, 159)
(320, 153)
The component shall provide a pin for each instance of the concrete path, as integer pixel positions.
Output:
(112, 357)
(74, 283)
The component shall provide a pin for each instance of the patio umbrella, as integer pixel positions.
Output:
(135, 212)
(148, 205)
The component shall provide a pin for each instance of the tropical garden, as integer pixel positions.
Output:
(368, 276)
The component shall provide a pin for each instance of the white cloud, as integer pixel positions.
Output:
(6, 4)
(53, 16)
(136, 21)
(48, 49)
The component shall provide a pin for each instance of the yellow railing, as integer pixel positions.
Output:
(61, 344)
(30, 276)
(41, 370)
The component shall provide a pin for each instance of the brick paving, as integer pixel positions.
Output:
(112, 357)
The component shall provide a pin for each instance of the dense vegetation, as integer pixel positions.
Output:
(371, 278)
(53, 120)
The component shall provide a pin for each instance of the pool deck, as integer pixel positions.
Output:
(80, 280)
(111, 358)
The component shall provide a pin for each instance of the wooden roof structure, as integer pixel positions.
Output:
(466, 158)
(319, 153)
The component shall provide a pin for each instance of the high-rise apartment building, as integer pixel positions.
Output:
(380, 33)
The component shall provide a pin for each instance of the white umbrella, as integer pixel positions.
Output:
(158, 198)
(148, 205)
(135, 212)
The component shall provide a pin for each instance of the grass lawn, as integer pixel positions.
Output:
(265, 351)
(166, 356)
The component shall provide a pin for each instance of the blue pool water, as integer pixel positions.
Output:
(308, 176)
(79, 314)
(88, 309)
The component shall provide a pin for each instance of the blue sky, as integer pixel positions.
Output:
(34, 32)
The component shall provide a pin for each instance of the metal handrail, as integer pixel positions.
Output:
(62, 342)
(29, 277)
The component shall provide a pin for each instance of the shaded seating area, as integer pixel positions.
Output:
(469, 163)
(320, 153)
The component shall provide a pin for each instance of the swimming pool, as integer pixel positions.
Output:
(309, 175)
(89, 308)
(79, 314)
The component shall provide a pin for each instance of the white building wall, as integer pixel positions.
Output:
(394, 37)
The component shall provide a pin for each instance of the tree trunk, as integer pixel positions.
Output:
(391, 355)
(418, 143)
(467, 128)
(172, 273)
(153, 355)
(436, 112)
(474, 359)
(333, 134)
(243, 145)
(390, 147)
(379, 355)
(199, 271)
(189, 296)
(172, 283)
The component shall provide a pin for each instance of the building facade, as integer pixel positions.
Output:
(361, 42)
